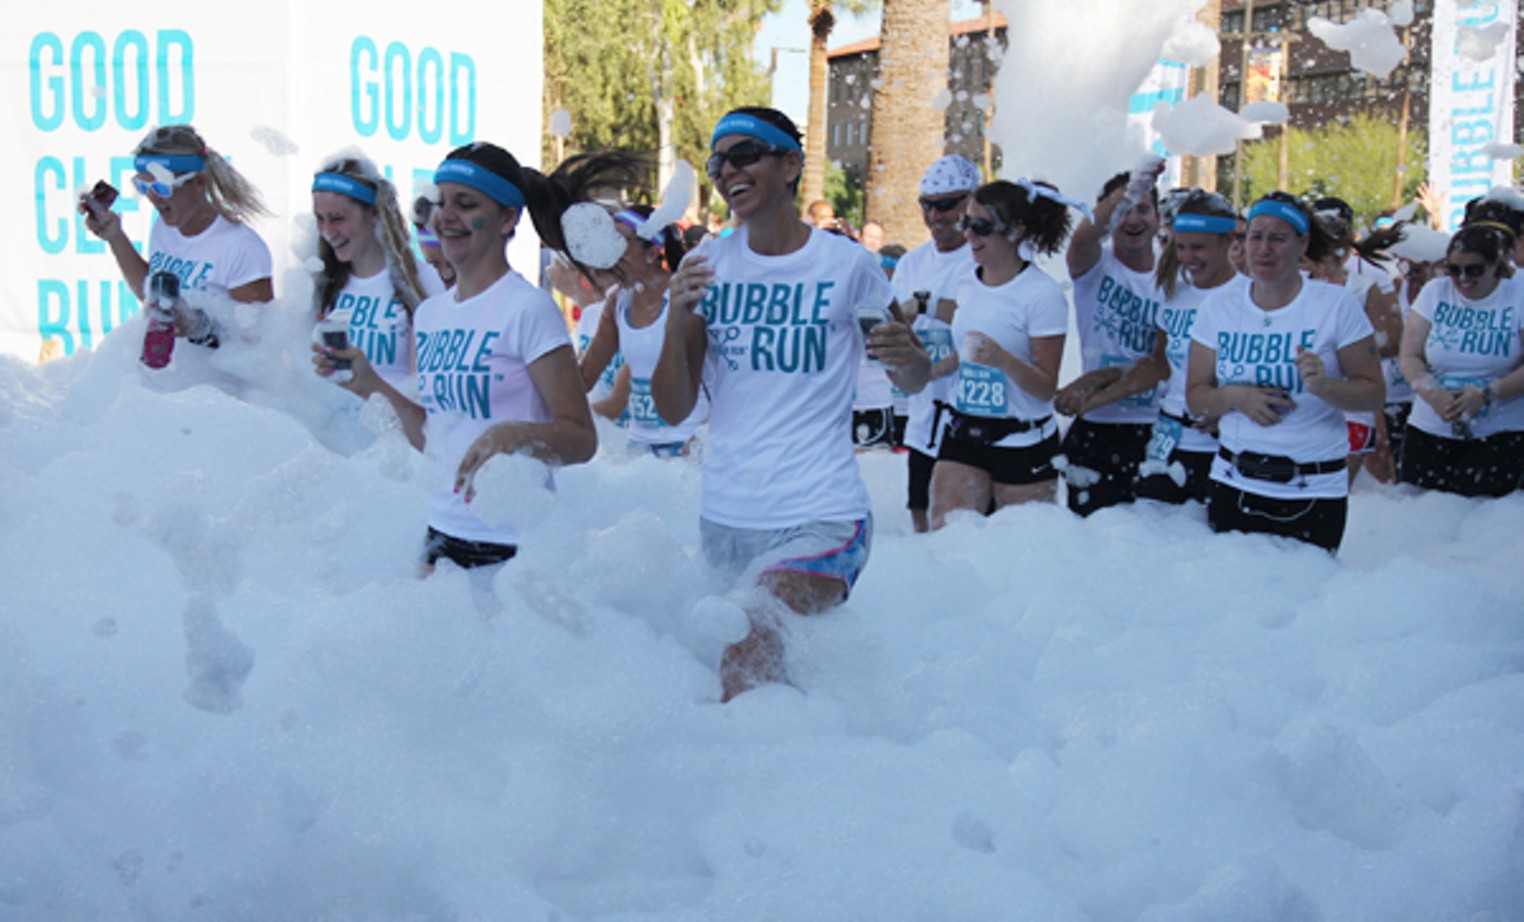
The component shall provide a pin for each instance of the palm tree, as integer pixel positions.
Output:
(822, 21)
(908, 131)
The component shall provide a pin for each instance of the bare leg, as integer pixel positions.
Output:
(758, 658)
(957, 486)
(1015, 494)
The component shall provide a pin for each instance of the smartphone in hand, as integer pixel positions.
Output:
(99, 199)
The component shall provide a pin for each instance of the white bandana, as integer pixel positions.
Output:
(950, 174)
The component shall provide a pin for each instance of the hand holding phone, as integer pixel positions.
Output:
(98, 200)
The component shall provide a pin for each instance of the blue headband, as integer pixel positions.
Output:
(888, 262)
(753, 127)
(1286, 212)
(1204, 224)
(633, 220)
(344, 185)
(175, 163)
(466, 173)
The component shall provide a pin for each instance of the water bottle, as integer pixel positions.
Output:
(159, 340)
(333, 331)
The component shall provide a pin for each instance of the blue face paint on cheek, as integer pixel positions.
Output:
(478, 223)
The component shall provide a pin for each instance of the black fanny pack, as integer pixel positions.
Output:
(985, 431)
(1275, 468)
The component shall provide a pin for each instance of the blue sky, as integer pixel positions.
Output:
(789, 28)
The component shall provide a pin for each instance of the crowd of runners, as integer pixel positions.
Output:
(1250, 363)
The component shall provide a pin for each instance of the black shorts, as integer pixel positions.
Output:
(1113, 452)
(1492, 466)
(873, 427)
(1315, 521)
(465, 554)
(1197, 466)
(1009, 466)
(920, 479)
(1396, 430)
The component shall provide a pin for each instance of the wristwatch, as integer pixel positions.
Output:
(1489, 397)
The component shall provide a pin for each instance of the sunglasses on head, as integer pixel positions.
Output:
(742, 154)
(162, 189)
(981, 227)
(942, 205)
(1469, 270)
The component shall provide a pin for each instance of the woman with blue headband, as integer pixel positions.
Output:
(782, 307)
(201, 235)
(496, 370)
(1197, 262)
(370, 281)
(1279, 362)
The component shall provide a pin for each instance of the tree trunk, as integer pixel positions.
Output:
(907, 132)
(812, 184)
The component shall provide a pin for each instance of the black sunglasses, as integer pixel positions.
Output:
(741, 154)
(1469, 270)
(982, 227)
(943, 205)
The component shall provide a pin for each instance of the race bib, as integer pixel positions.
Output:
(981, 390)
(1141, 399)
(1461, 382)
(1165, 437)
(642, 406)
(938, 343)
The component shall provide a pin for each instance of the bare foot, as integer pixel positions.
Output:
(755, 660)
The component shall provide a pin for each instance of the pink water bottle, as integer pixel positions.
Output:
(159, 340)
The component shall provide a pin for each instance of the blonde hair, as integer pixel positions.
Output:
(392, 230)
(234, 197)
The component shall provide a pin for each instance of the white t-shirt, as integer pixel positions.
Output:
(1029, 306)
(1177, 317)
(587, 327)
(379, 323)
(224, 256)
(1471, 343)
(641, 347)
(473, 372)
(782, 356)
(926, 268)
(1259, 348)
(1116, 311)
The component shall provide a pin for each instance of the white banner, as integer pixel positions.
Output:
(1167, 82)
(274, 88)
(1471, 99)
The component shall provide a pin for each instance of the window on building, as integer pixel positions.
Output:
(1233, 21)
(862, 131)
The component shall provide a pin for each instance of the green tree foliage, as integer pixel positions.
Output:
(1354, 160)
(612, 64)
(844, 190)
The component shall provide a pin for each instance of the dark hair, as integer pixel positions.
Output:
(1491, 210)
(1321, 240)
(1337, 206)
(783, 123)
(547, 197)
(1485, 240)
(1120, 181)
(1046, 221)
(672, 244)
(1193, 201)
